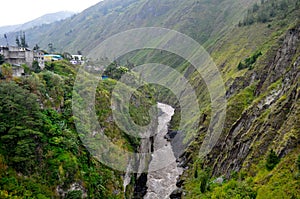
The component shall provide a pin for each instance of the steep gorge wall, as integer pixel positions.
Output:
(272, 121)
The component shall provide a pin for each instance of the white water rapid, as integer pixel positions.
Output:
(161, 183)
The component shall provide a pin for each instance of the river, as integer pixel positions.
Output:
(161, 183)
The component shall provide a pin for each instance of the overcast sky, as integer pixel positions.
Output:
(14, 12)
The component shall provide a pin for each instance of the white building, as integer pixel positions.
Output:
(77, 59)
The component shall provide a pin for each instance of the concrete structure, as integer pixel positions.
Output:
(51, 57)
(39, 57)
(17, 55)
(77, 59)
(18, 71)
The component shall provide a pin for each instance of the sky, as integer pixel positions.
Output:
(14, 12)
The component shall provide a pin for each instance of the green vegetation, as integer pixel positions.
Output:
(74, 195)
(209, 187)
(2, 59)
(6, 71)
(248, 62)
(21, 40)
(268, 11)
(41, 151)
(272, 160)
(278, 183)
(202, 20)
(35, 67)
(298, 162)
(256, 106)
(115, 71)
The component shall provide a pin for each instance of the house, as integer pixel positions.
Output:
(39, 57)
(52, 57)
(17, 56)
(77, 59)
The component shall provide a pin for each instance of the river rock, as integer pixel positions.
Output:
(176, 194)
(179, 182)
(170, 135)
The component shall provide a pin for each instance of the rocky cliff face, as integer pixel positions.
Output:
(272, 121)
(263, 114)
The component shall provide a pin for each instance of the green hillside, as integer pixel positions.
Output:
(262, 114)
(200, 20)
(254, 44)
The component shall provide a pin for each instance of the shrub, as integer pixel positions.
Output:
(76, 194)
(2, 59)
(36, 67)
(298, 162)
(272, 160)
(249, 61)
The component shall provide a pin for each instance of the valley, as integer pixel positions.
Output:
(145, 123)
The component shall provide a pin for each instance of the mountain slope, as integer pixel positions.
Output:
(45, 19)
(199, 19)
(13, 30)
(258, 54)
(262, 114)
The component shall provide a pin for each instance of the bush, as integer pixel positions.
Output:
(115, 71)
(26, 68)
(76, 194)
(2, 59)
(241, 66)
(234, 189)
(272, 160)
(36, 67)
(298, 162)
(250, 61)
(204, 177)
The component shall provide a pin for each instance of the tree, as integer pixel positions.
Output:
(20, 121)
(21, 40)
(272, 160)
(26, 68)
(298, 162)
(7, 71)
(76, 194)
(36, 67)
(283, 5)
(262, 17)
(5, 36)
(2, 59)
(115, 71)
(36, 47)
(67, 56)
(50, 66)
(241, 66)
(18, 41)
(51, 48)
(255, 7)
(249, 61)
(204, 178)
